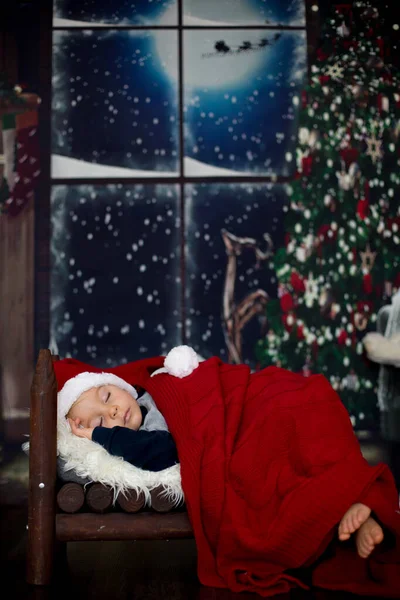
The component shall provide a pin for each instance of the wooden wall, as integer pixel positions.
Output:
(16, 289)
(16, 319)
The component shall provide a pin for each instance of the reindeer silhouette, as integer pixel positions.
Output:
(236, 316)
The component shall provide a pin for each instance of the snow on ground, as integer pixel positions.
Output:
(57, 22)
(64, 167)
(195, 168)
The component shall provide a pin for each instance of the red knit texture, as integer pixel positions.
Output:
(269, 465)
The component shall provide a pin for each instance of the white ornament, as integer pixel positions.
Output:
(335, 71)
(181, 361)
(343, 30)
(374, 149)
(301, 254)
(348, 179)
(304, 134)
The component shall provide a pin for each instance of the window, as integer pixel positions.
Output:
(172, 123)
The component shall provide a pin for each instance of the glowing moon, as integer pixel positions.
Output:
(218, 70)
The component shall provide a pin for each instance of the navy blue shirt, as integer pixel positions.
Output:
(150, 450)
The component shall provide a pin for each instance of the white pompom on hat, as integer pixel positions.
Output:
(181, 361)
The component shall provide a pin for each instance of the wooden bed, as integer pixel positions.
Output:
(62, 512)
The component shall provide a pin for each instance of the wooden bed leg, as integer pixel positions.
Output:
(42, 472)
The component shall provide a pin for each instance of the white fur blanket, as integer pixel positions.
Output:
(91, 461)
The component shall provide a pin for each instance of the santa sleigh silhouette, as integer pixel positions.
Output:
(221, 48)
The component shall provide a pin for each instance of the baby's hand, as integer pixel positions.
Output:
(79, 430)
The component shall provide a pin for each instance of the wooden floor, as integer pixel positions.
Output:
(122, 570)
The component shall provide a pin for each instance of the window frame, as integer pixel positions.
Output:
(43, 196)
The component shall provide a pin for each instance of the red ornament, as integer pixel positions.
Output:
(306, 164)
(381, 47)
(363, 208)
(300, 332)
(342, 337)
(349, 155)
(297, 282)
(366, 190)
(367, 283)
(323, 79)
(347, 44)
(323, 236)
(321, 55)
(286, 319)
(345, 10)
(365, 307)
(393, 221)
(286, 302)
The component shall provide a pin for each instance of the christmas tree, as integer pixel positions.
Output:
(341, 258)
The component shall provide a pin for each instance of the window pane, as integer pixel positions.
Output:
(114, 109)
(227, 277)
(240, 89)
(244, 12)
(78, 13)
(115, 282)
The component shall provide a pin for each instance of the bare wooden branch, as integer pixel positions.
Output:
(236, 316)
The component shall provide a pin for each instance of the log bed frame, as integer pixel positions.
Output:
(48, 526)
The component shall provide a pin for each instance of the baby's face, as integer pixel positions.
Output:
(107, 406)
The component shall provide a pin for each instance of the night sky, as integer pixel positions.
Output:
(165, 12)
(115, 100)
(112, 101)
(115, 271)
(116, 249)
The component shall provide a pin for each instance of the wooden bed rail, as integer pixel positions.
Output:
(42, 471)
(48, 528)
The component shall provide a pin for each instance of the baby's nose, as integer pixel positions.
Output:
(114, 411)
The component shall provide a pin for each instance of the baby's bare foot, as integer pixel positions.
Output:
(352, 520)
(368, 536)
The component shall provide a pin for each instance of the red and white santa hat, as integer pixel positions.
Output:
(75, 377)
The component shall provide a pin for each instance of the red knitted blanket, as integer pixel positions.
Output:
(269, 465)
